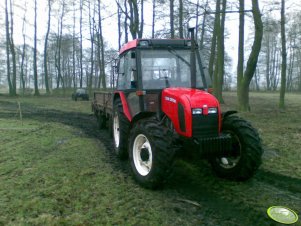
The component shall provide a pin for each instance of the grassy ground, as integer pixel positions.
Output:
(57, 168)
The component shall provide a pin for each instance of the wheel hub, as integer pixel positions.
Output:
(231, 160)
(144, 154)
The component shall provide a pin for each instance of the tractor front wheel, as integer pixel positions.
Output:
(151, 153)
(245, 157)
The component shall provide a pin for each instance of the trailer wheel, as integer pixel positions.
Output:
(245, 157)
(151, 153)
(101, 119)
(120, 127)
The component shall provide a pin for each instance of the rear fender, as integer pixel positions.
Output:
(125, 108)
(141, 115)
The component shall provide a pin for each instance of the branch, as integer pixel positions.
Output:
(119, 6)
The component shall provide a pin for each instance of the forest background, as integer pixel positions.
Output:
(60, 44)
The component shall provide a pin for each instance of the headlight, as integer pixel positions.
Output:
(197, 111)
(212, 110)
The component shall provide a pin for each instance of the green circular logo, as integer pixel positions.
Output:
(282, 214)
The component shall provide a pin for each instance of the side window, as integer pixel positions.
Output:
(121, 74)
(126, 75)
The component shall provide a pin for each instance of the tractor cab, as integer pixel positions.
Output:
(157, 64)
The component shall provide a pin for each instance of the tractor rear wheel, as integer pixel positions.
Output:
(120, 126)
(245, 157)
(151, 153)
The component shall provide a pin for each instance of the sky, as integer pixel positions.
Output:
(110, 23)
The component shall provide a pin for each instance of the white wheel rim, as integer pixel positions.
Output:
(142, 147)
(116, 130)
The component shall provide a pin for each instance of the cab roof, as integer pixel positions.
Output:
(155, 43)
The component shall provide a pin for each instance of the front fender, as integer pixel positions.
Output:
(228, 113)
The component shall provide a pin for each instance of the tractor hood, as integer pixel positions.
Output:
(178, 105)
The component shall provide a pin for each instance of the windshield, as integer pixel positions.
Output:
(167, 68)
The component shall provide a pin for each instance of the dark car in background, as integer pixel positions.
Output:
(80, 93)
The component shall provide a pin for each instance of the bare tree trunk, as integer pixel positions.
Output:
(136, 28)
(92, 35)
(214, 40)
(245, 79)
(217, 32)
(73, 49)
(241, 45)
(221, 55)
(203, 26)
(126, 33)
(119, 24)
(45, 49)
(13, 53)
(35, 65)
(289, 85)
(102, 77)
(181, 33)
(153, 18)
(268, 62)
(283, 54)
(22, 80)
(11, 93)
(172, 28)
(197, 20)
(81, 45)
(59, 47)
(141, 26)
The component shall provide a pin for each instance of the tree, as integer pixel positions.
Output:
(45, 49)
(119, 23)
(81, 43)
(244, 78)
(11, 89)
(92, 38)
(136, 27)
(59, 48)
(23, 53)
(214, 40)
(171, 19)
(153, 18)
(101, 63)
(13, 52)
(35, 66)
(181, 33)
(218, 76)
(283, 54)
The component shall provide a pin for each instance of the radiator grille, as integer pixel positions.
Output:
(204, 126)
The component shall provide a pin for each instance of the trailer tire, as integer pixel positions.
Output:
(101, 119)
(120, 128)
(245, 158)
(151, 153)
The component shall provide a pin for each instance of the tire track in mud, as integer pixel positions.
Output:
(280, 181)
(215, 210)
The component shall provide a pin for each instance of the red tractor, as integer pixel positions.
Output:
(162, 103)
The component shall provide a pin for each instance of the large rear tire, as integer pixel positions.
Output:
(242, 162)
(120, 129)
(151, 153)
